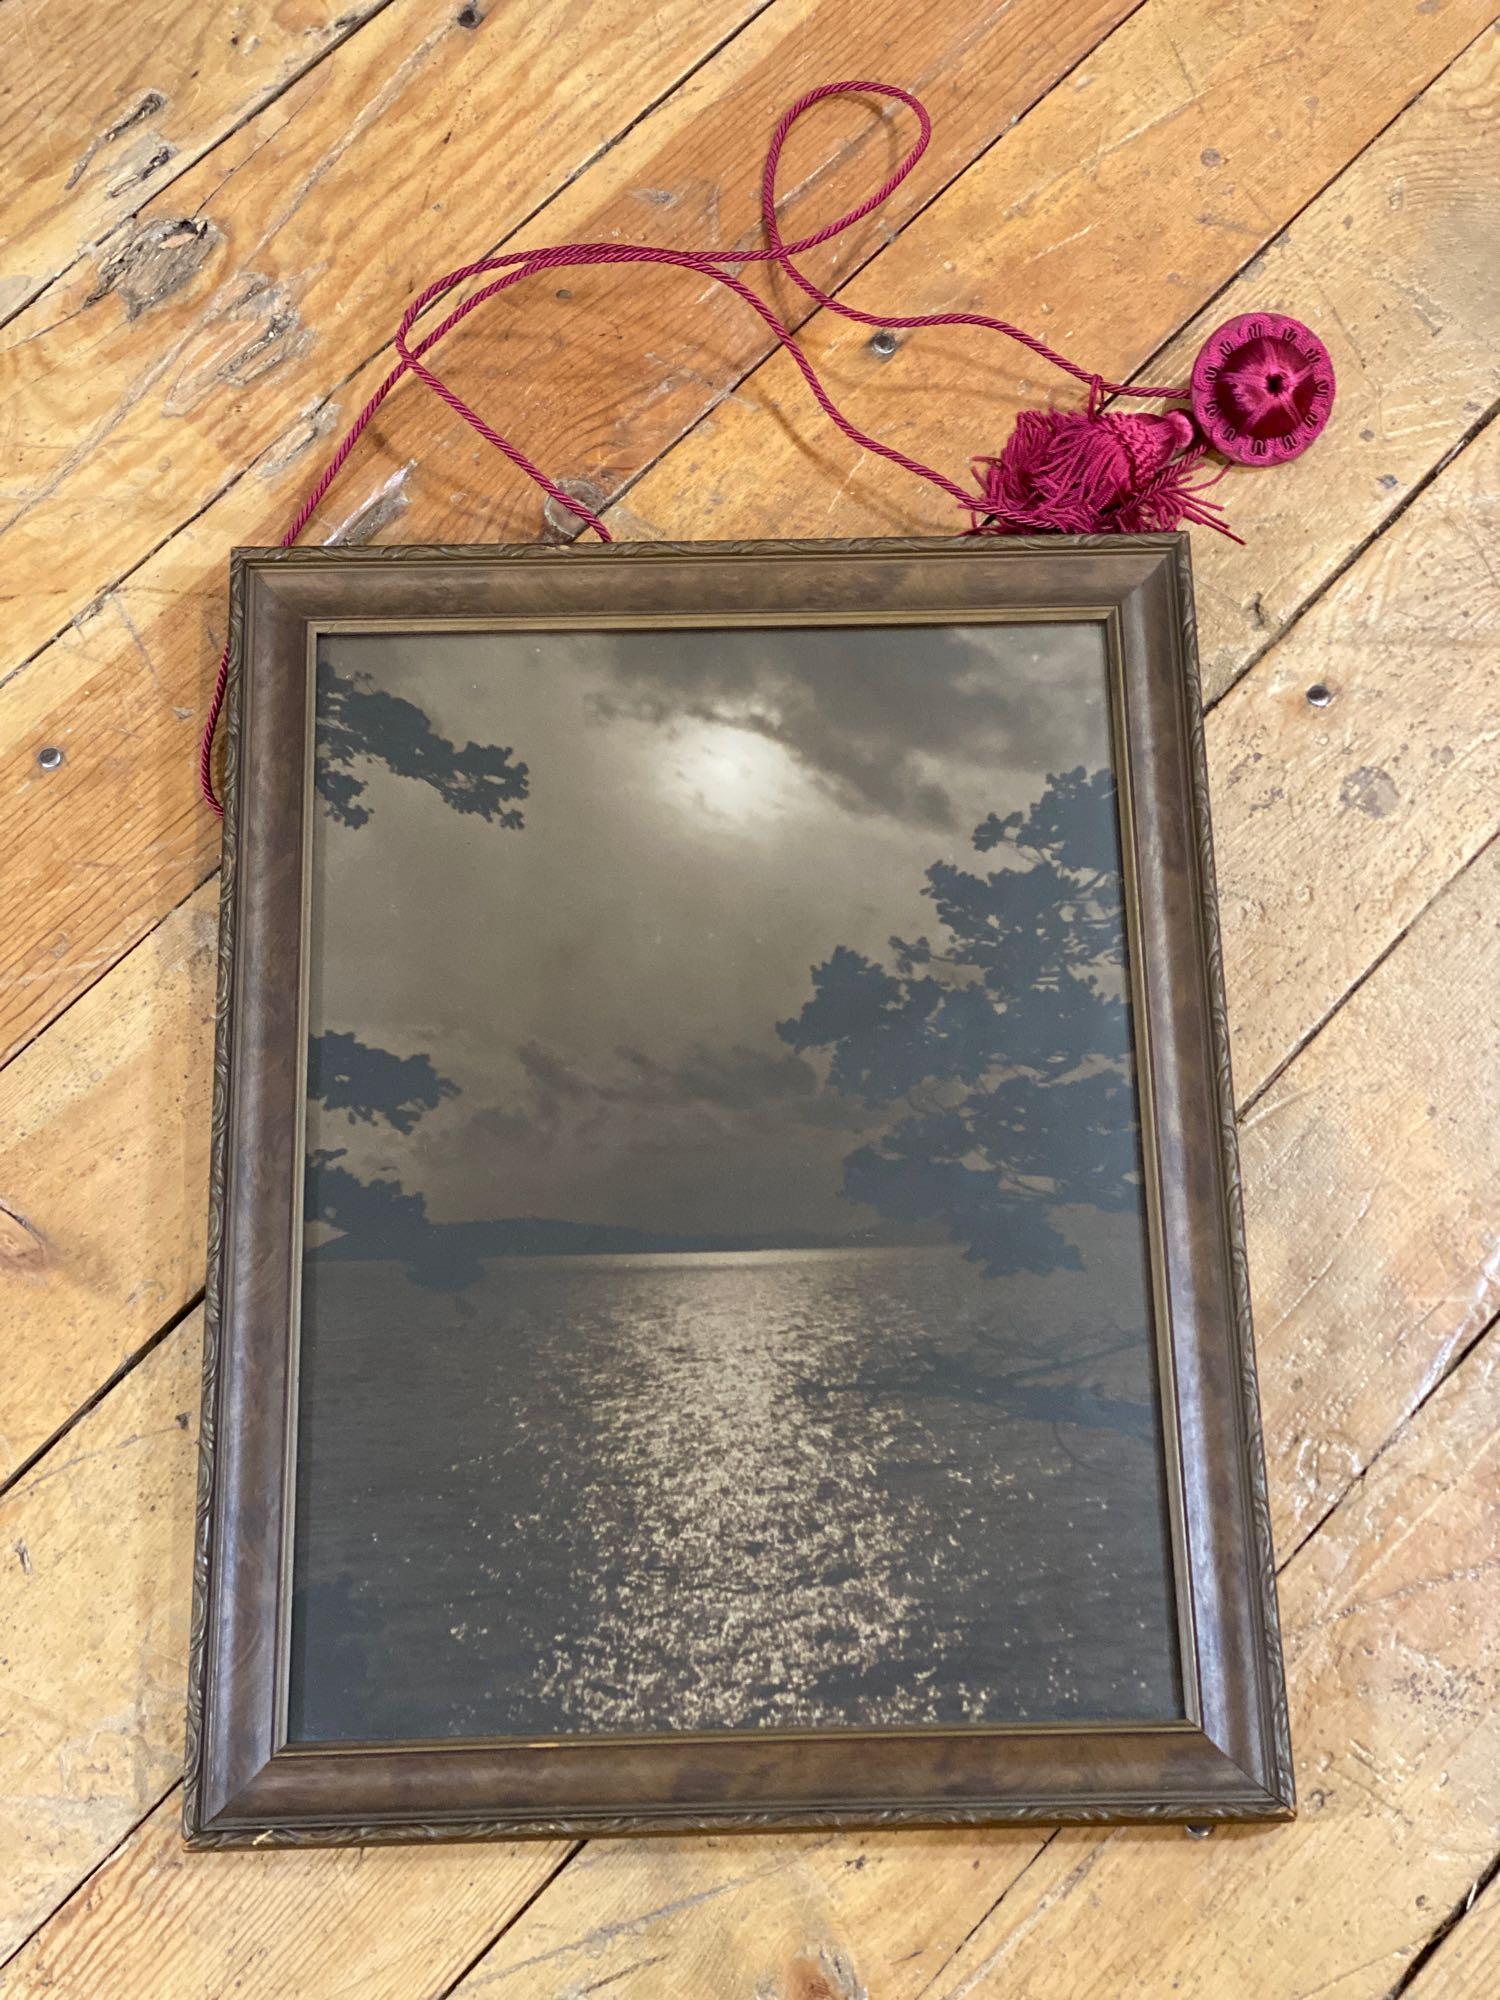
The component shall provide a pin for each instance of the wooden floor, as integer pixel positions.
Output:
(215, 217)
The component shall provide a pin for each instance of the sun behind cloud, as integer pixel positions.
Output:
(735, 771)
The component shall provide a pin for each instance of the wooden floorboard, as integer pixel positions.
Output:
(1393, 264)
(195, 315)
(1465, 1957)
(150, 377)
(93, 125)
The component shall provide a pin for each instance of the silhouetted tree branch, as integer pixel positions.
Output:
(1004, 1056)
(358, 722)
(370, 1084)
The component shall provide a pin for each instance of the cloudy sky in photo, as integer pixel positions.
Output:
(710, 814)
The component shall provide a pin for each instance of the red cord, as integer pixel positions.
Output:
(519, 264)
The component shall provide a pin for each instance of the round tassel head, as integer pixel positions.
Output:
(1262, 388)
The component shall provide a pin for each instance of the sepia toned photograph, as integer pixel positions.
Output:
(726, 1287)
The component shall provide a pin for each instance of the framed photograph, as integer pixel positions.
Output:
(726, 1303)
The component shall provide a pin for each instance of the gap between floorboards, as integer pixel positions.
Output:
(184, 162)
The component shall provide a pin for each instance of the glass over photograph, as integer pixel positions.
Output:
(726, 1295)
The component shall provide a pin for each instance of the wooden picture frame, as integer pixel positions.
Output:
(1226, 1755)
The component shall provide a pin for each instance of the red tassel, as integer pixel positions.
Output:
(1076, 472)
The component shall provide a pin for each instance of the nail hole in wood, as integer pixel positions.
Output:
(1318, 695)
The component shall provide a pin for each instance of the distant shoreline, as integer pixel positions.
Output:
(534, 1236)
(616, 1259)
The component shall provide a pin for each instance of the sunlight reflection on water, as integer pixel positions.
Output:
(727, 1490)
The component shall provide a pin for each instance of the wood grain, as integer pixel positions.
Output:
(94, 1602)
(601, 371)
(1372, 1191)
(1393, 266)
(124, 687)
(103, 1167)
(92, 125)
(95, 1570)
(158, 1923)
(823, 1918)
(149, 379)
(1467, 1962)
(1341, 821)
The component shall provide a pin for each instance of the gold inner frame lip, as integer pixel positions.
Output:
(1107, 617)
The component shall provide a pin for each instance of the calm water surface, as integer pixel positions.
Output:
(723, 1491)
